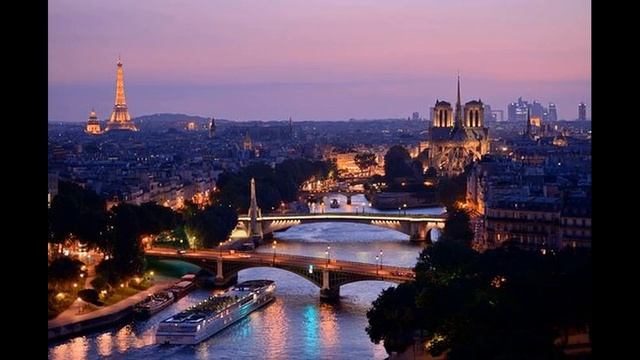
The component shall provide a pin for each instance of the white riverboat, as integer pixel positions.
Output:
(210, 316)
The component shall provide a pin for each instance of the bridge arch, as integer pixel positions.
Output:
(317, 230)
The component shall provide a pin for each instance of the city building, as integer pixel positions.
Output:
(489, 115)
(120, 118)
(537, 110)
(457, 139)
(582, 112)
(93, 125)
(191, 126)
(415, 116)
(553, 112)
(517, 111)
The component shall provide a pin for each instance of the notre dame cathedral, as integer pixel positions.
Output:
(456, 140)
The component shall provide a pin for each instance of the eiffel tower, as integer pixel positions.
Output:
(120, 118)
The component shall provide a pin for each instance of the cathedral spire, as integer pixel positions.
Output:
(458, 115)
(528, 122)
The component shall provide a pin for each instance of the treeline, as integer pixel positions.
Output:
(80, 214)
(505, 303)
(273, 185)
(404, 174)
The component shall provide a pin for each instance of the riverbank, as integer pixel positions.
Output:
(69, 323)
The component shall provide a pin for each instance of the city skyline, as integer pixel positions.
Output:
(329, 61)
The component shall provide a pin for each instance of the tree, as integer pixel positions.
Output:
(63, 271)
(457, 227)
(392, 317)
(211, 226)
(365, 161)
(396, 163)
(505, 303)
(273, 185)
(123, 240)
(79, 212)
(449, 191)
(156, 218)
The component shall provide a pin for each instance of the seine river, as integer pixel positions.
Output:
(296, 325)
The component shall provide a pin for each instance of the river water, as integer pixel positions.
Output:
(296, 325)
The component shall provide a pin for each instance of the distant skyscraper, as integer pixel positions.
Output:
(93, 125)
(120, 118)
(488, 115)
(582, 112)
(537, 110)
(511, 112)
(290, 126)
(415, 116)
(517, 111)
(553, 112)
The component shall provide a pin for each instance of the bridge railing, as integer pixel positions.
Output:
(298, 257)
(435, 218)
(266, 258)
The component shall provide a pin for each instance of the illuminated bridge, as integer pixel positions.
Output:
(327, 274)
(418, 227)
(256, 226)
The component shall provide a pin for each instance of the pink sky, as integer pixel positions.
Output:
(315, 60)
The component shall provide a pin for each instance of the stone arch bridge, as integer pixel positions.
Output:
(327, 274)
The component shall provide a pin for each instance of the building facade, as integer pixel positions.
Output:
(582, 112)
(456, 139)
(93, 125)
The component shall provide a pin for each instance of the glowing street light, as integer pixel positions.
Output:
(273, 246)
(380, 259)
(377, 263)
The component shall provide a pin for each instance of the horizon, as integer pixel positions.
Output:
(326, 61)
(136, 118)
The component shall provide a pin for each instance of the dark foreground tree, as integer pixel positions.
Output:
(457, 227)
(505, 303)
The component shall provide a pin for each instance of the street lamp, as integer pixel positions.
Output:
(377, 264)
(405, 208)
(273, 246)
(380, 259)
